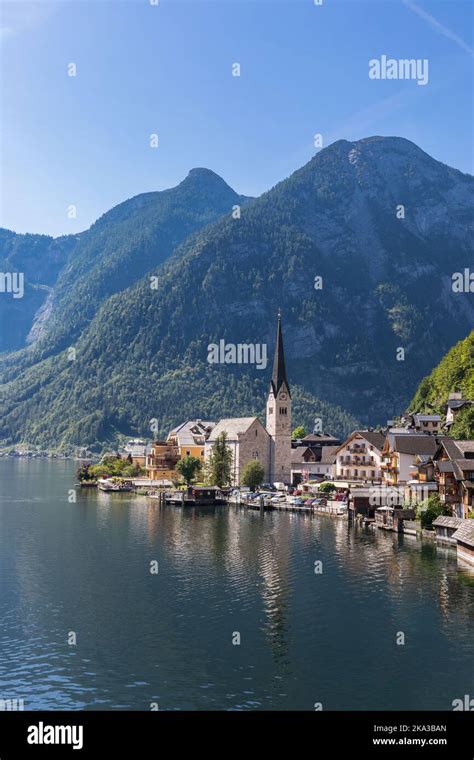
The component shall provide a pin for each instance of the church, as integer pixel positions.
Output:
(249, 439)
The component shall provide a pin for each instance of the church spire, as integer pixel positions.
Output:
(279, 371)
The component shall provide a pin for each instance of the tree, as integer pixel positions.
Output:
(83, 473)
(430, 509)
(327, 488)
(188, 468)
(463, 425)
(220, 462)
(253, 474)
(298, 432)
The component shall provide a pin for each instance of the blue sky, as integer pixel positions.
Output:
(167, 69)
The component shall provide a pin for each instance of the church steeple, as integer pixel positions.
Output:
(279, 370)
(279, 416)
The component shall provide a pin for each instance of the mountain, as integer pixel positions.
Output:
(385, 285)
(119, 249)
(455, 372)
(39, 258)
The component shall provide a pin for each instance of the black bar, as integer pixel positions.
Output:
(316, 734)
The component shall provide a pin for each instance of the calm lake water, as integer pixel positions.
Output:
(167, 638)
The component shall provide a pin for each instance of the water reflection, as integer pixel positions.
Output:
(85, 567)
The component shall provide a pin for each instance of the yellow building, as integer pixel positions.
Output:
(161, 462)
(190, 437)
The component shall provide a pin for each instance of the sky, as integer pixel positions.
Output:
(72, 147)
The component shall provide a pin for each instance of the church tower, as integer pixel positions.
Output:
(279, 416)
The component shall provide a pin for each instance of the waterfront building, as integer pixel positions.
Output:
(359, 457)
(445, 528)
(247, 439)
(422, 481)
(190, 437)
(270, 444)
(312, 463)
(399, 454)
(161, 461)
(454, 463)
(464, 537)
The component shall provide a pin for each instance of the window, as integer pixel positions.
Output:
(270, 410)
(188, 453)
(373, 473)
(282, 409)
(255, 455)
(256, 432)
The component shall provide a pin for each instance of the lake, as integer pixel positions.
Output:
(82, 572)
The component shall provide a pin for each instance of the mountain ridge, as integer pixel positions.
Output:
(386, 285)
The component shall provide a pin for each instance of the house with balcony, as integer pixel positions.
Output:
(399, 453)
(454, 463)
(359, 457)
(190, 437)
(162, 460)
(423, 481)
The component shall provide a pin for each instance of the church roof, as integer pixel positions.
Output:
(279, 370)
(233, 426)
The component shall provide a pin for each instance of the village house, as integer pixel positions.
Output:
(422, 479)
(359, 457)
(422, 423)
(161, 461)
(454, 462)
(453, 406)
(312, 463)
(399, 454)
(248, 439)
(190, 437)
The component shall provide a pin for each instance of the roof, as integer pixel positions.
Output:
(457, 403)
(192, 432)
(415, 444)
(465, 532)
(445, 465)
(427, 417)
(233, 426)
(298, 455)
(319, 438)
(371, 436)
(445, 521)
(465, 446)
(279, 370)
(328, 454)
(457, 449)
